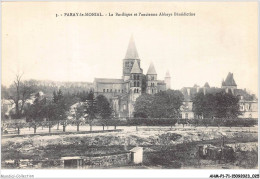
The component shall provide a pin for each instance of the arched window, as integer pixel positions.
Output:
(152, 91)
(134, 84)
(137, 91)
(134, 90)
(137, 77)
(138, 84)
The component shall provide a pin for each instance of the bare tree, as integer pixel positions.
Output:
(19, 92)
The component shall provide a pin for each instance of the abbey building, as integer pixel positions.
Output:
(123, 92)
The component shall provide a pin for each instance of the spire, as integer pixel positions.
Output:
(167, 74)
(223, 83)
(136, 68)
(131, 52)
(206, 85)
(151, 70)
(230, 80)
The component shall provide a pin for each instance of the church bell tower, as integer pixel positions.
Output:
(130, 58)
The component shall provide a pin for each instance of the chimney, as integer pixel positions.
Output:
(232, 90)
(204, 91)
(188, 91)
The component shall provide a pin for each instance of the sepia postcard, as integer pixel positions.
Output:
(121, 86)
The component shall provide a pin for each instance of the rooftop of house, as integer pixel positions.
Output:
(190, 92)
(229, 80)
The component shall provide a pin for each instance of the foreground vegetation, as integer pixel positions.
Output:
(163, 148)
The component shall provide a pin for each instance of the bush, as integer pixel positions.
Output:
(152, 121)
(231, 122)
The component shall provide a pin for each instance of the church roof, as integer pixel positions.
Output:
(206, 85)
(108, 80)
(151, 70)
(131, 52)
(136, 68)
(229, 80)
(196, 86)
(168, 74)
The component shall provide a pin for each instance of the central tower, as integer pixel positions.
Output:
(130, 57)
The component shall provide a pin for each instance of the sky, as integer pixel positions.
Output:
(222, 37)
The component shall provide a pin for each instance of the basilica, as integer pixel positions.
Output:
(123, 92)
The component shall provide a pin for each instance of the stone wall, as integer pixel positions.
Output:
(108, 160)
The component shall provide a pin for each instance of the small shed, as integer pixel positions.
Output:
(73, 162)
(137, 155)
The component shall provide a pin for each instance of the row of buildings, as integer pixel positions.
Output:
(124, 91)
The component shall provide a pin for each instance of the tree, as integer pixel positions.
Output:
(104, 109)
(61, 107)
(50, 113)
(227, 105)
(90, 109)
(4, 92)
(199, 105)
(204, 105)
(219, 105)
(142, 106)
(83, 96)
(164, 104)
(79, 113)
(19, 92)
(35, 113)
(167, 104)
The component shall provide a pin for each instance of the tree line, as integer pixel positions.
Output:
(219, 105)
(165, 104)
(61, 108)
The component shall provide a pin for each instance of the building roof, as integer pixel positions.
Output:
(206, 85)
(229, 80)
(151, 70)
(188, 96)
(73, 158)
(167, 75)
(131, 52)
(136, 68)
(160, 82)
(108, 80)
(196, 86)
(136, 149)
